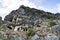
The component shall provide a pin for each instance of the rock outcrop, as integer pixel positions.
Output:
(30, 24)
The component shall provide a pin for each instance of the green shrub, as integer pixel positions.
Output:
(29, 31)
(51, 23)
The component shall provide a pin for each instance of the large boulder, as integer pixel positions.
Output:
(35, 37)
(56, 28)
(51, 37)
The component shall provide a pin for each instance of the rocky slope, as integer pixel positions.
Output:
(30, 24)
(30, 14)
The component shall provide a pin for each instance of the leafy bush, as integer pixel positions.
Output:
(29, 31)
(51, 23)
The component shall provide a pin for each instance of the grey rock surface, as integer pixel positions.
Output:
(15, 37)
(51, 37)
(35, 37)
(56, 28)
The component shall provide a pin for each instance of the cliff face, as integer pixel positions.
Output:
(30, 13)
(31, 24)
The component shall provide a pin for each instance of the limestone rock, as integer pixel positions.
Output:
(15, 37)
(35, 37)
(56, 28)
(51, 37)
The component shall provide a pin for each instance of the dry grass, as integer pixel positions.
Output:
(16, 32)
